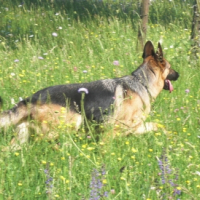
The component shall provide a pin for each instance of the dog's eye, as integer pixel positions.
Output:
(167, 65)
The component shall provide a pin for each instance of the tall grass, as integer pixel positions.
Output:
(44, 44)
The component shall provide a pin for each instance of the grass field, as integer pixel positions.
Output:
(42, 46)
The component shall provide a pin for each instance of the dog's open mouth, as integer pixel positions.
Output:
(168, 85)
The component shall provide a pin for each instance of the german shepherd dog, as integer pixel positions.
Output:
(124, 101)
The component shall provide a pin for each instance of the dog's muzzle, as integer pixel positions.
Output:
(172, 76)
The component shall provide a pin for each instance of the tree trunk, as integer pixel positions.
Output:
(195, 35)
(142, 29)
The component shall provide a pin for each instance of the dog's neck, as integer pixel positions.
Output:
(148, 81)
(142, 83)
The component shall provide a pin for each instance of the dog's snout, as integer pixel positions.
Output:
(173, 75)
(177, 75)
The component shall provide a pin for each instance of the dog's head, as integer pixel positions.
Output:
(159, 65)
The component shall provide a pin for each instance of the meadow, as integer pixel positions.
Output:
(44, 44)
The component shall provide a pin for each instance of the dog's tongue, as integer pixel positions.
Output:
(170, 86)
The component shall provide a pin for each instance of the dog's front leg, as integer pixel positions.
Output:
(146, 127)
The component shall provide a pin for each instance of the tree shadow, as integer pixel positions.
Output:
(85, 11)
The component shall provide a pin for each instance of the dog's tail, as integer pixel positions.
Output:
(14, 115)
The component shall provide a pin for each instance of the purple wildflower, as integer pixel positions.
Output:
(187, 91)
(85, 90)
(48, 182)
(94, 194)
(96, 185)
(54, 34)
(105, 194)
(40, 58)
(169, 177)
(16, 60)
(116, 62)
(172, 183)
(176, 191)
(160, 163)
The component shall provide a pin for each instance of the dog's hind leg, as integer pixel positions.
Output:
(22, 136)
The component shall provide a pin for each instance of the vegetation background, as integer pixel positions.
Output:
(43, 43)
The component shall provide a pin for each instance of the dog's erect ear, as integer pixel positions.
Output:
(148, 50)
(159, 52)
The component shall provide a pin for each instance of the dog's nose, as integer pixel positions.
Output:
(177, 75)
